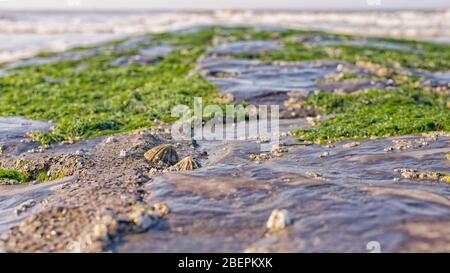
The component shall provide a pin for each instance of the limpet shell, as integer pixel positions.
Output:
(187, 164)
(165, 153)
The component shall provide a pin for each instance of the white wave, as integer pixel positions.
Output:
(22, 34)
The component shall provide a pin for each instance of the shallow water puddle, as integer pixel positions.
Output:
(127, 45)
(14, 198)
(331, 40)
(133, 43)
(158, 51)
(66, 56)
(436, 78)
(247, 79)
(13, 129)
(247, 47)
(148, 55)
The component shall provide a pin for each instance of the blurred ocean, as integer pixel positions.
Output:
(24, 33)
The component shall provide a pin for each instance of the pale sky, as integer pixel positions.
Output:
(223, 4)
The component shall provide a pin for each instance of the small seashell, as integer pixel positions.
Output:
(407, 173)
(165, 153)
(187, 164)
(260, 157)
(314, 175)
(262, 139)
(25, 206)
(279, 149)
(278, 220)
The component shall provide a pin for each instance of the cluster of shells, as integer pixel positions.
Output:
(429, 175)
(278, 150)
(314, 175)
(166, 155)
(378, 69)
(403, 144)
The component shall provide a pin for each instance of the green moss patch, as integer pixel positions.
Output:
(377, 113)
(15, 175)
(433, 57)
(93, 98)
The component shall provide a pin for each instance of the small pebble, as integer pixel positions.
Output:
(314, 175)
(25, 206)
(123, 153)
(110, 139)
(351, 145)
(278, 220)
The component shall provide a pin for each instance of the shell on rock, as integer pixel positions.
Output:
(165, 153)
(187, 164)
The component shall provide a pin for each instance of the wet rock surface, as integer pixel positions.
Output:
(283, 83)
(148, 55)
(157, 51)
(14, 132)
(225, 205)
(102, 202)
(13, 198)
(437, 81)
(133, 43)
(66, 56)
(249, 80)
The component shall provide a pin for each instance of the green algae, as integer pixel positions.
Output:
(25, 177)
(102, 99)
(16, 175)
(445, 177)
(377, 113)
(424, 55)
